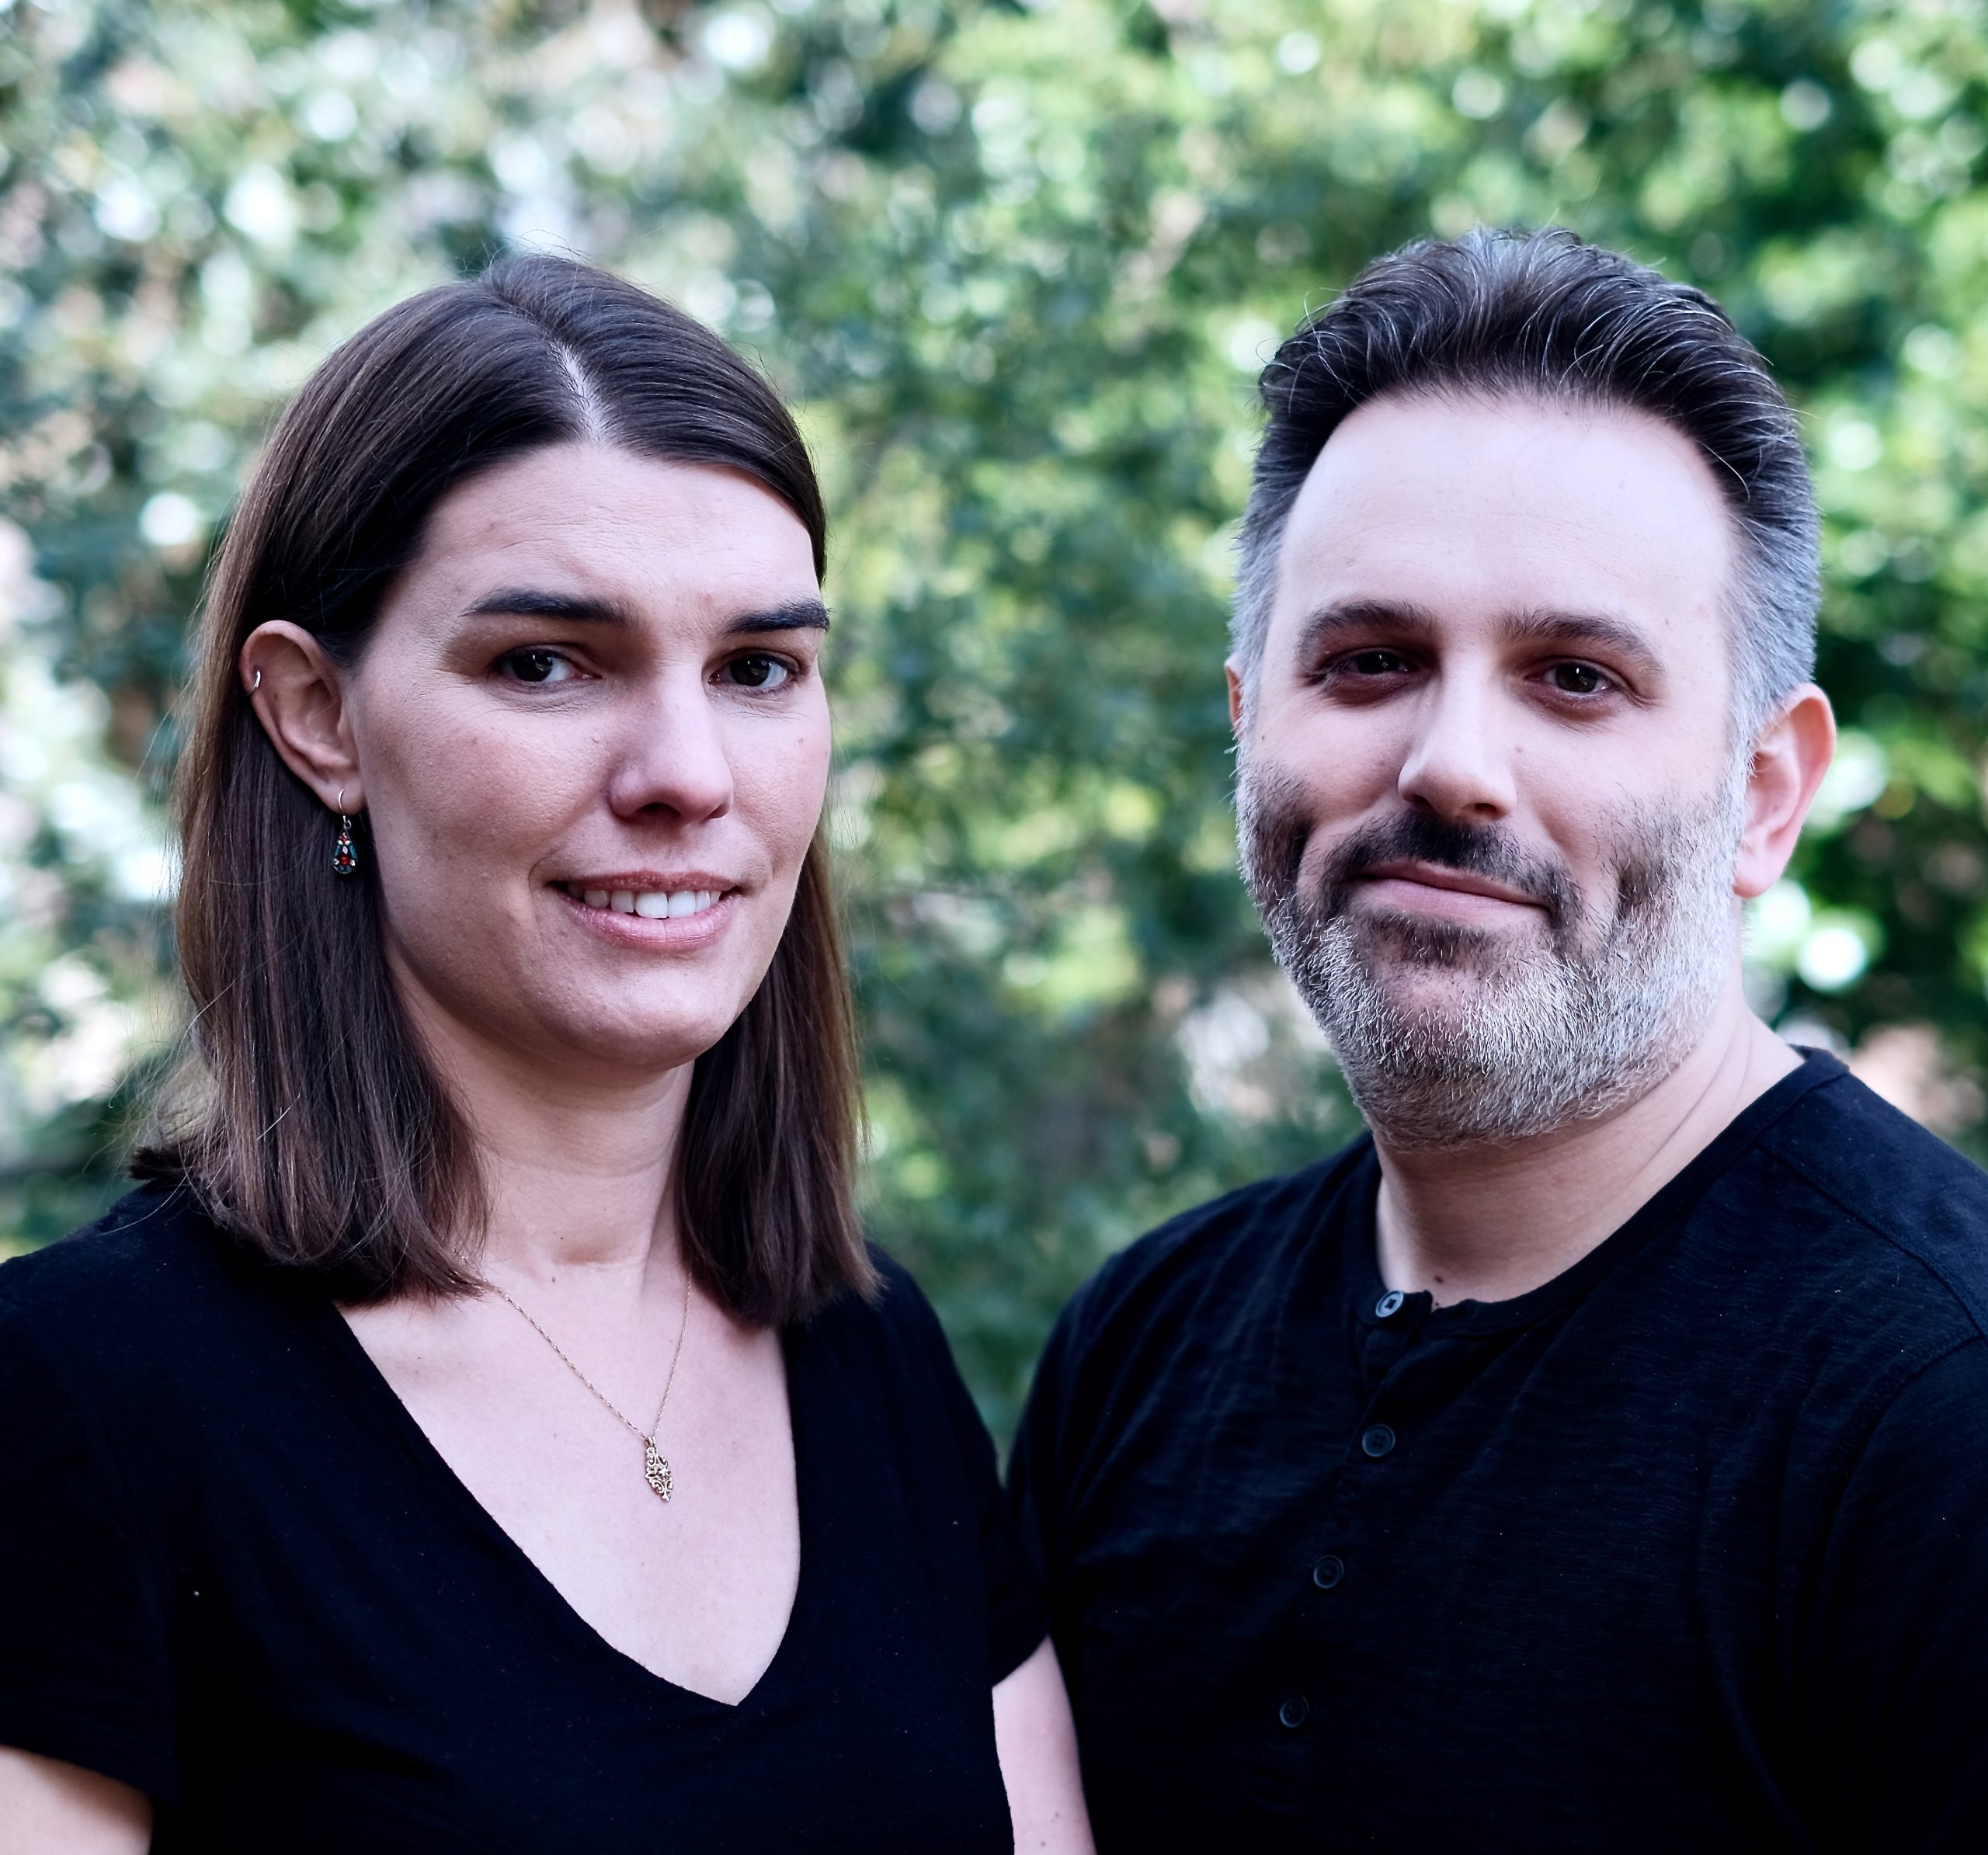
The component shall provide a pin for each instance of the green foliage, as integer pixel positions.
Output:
(1017, 266)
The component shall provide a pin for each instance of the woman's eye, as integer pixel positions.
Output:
(1577, 679)
(537, 666)
(756, 671)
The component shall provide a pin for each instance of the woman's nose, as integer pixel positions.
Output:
(1458, 762)
(670, 753)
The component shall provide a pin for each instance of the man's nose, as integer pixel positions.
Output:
(1458, 765)
(670, 751)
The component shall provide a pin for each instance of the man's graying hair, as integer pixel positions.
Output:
(1542, 315)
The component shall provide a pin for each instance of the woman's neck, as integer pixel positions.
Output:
(578, 1193)
(579, 1168)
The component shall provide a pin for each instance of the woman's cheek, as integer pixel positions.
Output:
(783, 791)
(499, 791)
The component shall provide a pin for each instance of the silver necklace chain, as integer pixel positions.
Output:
(655, 1466)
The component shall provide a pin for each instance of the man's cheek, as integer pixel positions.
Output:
(1277, 822)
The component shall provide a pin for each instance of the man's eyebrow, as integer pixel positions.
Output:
(530, 602)
(1328, 625)
(1571, 630)
(1320, 630)
(795, 615)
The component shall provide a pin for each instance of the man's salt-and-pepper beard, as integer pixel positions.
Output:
(1551, 1026)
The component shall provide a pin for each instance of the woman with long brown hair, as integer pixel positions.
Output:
(486, 1428)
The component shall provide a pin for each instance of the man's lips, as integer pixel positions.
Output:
(1436, 888)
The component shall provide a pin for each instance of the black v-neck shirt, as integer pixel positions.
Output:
(1687, 1549)
(234, 1573)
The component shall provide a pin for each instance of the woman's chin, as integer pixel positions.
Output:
(632, 1045)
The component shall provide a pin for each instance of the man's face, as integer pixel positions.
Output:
(1490, 796)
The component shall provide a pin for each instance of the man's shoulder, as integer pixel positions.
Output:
(1899, 1193)
(1229, 1245)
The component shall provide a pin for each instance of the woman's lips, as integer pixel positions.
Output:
(651, 905)
(655, 924)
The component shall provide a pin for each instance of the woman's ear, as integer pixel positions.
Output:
(298, 694)
(1791, 754)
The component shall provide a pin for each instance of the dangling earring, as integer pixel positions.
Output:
(344, 853)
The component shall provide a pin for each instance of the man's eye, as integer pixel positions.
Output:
(537, 666)
(1375, 663)
(757, 671)
(1577, 679)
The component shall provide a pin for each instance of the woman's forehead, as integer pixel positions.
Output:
(630, 537)
(580, 495)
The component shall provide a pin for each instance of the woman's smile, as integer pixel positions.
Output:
(654, 899)
(680, 916)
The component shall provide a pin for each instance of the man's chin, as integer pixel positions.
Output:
(1427, 1000)
(1392, 945)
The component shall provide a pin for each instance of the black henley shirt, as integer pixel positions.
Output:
(1687, 1549)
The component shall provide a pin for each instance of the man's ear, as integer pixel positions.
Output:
(298, 694)
(1791, 754)
(1235, 697)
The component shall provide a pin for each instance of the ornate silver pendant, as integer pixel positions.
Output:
(655, 1466)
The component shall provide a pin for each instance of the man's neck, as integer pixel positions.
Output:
(1488, 1223)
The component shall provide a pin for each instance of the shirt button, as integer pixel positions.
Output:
(1327, 1572)
(1377, 1441)
(1389, 1305)
(1293, 1711)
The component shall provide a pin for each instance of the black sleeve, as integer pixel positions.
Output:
(84, 1667)
(1016, 1624)
(1034, 1490)
(1897, 1662)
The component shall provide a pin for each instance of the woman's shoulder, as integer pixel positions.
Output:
(153, 1271)
(896, 1314)
(890, 1337)
(141, 1339)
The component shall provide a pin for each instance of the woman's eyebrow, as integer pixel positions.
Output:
(528, 601)
(794, 615)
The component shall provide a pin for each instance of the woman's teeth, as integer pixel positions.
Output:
(652, 904)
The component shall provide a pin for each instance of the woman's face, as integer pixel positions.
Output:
(593, 745)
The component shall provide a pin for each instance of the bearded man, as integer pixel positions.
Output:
(1596, 1456)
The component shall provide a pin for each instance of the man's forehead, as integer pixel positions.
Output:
(1490, 508)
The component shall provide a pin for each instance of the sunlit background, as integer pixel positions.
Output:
(1017, 264)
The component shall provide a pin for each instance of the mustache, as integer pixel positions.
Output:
(1470, 850)
(1276, 831)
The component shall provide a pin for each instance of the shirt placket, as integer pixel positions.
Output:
(1328, 1594)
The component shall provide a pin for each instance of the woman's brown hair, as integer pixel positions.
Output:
(310, 1123)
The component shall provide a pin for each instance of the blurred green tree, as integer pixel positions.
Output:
(1018, 265)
